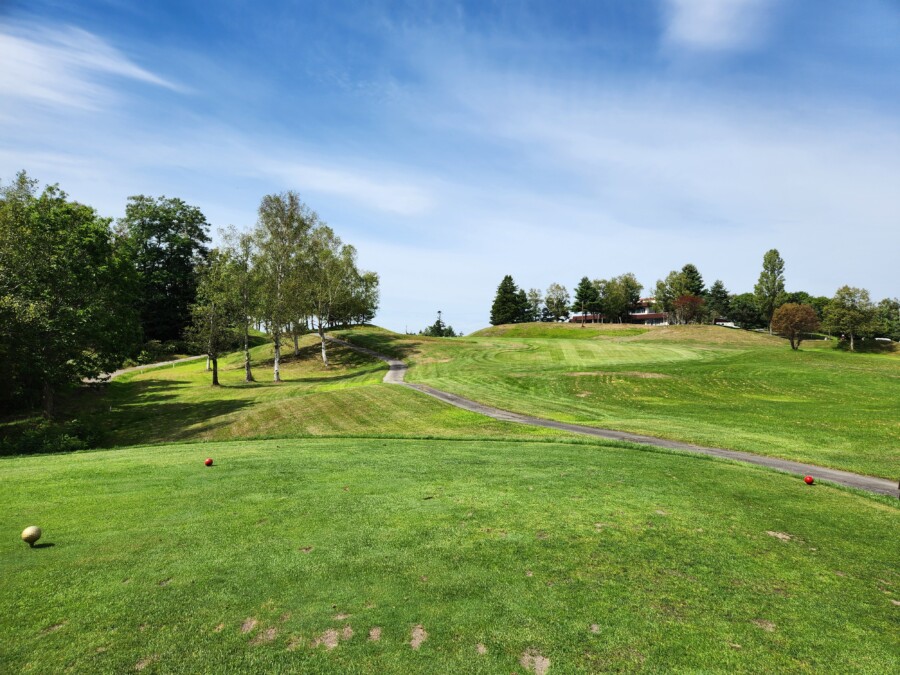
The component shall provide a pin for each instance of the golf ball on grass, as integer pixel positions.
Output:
(31, 534)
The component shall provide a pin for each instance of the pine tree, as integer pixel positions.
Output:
(717, 300)
(693, 281)
(506, 307)
(587, 299)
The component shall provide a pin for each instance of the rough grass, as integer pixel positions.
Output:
(701, 384)
(566, 331)
(285, 556)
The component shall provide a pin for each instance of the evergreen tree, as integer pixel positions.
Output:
(693, 282)
(507, 307)
(587, 299)
(717, 300)
(522, 307)
(535, 300)
(769, 290)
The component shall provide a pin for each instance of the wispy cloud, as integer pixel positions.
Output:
(715, 25)
(64, 66)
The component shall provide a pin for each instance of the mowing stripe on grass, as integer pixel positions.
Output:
(397, 373)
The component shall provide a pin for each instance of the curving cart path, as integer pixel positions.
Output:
(397, 373)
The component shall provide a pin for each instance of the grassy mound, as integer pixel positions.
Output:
(702, 384)
(565, 331)
(288, 555)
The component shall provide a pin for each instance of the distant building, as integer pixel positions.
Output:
(643, 314)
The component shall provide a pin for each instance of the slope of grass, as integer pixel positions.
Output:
(566, 331)
(700, 384)
(595, 557)
(177, 403)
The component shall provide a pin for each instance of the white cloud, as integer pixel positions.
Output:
(381, 193)
(63, 67)
(715, 25)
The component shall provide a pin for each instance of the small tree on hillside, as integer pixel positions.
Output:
(717, 300)
(793, 321)
(216, 312)
(556, 301)
(689, 309)
(507, 306)
(850, 312)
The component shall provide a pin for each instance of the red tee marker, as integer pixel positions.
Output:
(809, 480)
(208, 461)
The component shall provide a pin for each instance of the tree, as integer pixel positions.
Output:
(556, 300)
(587, 299)
(167, 240)
(688, 309)
(438, 329)
(887, 318)
(243, 287)
(693, 282)
(619, 296)
(507, 304)
(770, 287)
(331, 272)
(217, 311)
(281, 234)
(535, 300)
(793, 321)
(521, 306)
(668, 290)
(850, 312)
(67, 288)
(744, 312)
(717, 300)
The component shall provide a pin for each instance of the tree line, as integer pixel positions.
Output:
(685, 298)
(81, 295)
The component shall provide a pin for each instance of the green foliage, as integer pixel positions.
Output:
(535, 304)
(693, 281)
(587, 298)
(851, 313)
(166, 240)
(887, 318)
(438, 329)
(769, 290)
(510, 305)
(718, 301)
(556, 303)
(66, 291)
(744, 311)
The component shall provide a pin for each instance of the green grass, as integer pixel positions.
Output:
(564, 331)
(701, 384)
(158, 561)
(177, 403)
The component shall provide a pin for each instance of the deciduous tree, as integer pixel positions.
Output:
(556, 300)
(216, 314)
(794, 321)
(769, 290)
(850, 313)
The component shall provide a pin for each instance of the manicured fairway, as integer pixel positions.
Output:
(594, 557)
(701, 384)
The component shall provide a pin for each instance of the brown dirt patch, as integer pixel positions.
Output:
(306, 549)
(895, 602)
(284, 617)
(165, 582)
(219, 628)
(347, 633)
(52, 629)
(532, 660)
(529, 573)
(294, 643)
(143, 663)
(767, 626)
(541, 534)
(341, 617)
(248, 625)
(660, 512)
(329, 638)
(595, 628)
(375, 634)
(583, 394)
(266, 636)
(481, 649)
(621, 373)
(419, 635)
(783, 536)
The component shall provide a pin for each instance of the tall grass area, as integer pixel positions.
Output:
(287, 555)
(701, 384)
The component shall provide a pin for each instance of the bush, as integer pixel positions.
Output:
(43, 436)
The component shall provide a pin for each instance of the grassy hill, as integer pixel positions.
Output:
(701, 384)
(287, 555)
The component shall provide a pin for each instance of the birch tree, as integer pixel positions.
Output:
(331, 272)
(243, 286)
(216, 311)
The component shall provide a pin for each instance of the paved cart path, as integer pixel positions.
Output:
(397, 372)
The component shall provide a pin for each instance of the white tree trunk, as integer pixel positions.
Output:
(277, 372)
(322, 338)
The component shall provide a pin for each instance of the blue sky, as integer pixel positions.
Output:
(453, 143)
